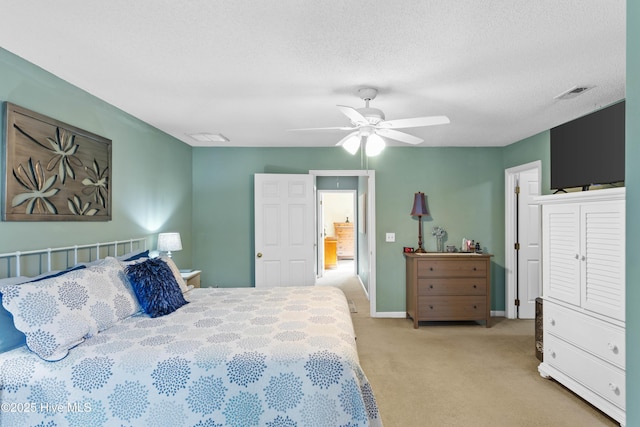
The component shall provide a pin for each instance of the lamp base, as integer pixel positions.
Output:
(420, 251)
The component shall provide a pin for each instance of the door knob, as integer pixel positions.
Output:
(259, 255)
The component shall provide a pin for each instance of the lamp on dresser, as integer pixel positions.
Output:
(168, 242)
(419, 210)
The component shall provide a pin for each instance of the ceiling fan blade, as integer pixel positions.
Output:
(353, 115)
(342, 141)
(329, 128)
(415, 122)
(399, 136)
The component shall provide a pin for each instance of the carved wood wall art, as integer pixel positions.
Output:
(54, 171)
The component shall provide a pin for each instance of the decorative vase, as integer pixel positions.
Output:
(439, 242)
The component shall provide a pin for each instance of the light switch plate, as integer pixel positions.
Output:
(391, 237)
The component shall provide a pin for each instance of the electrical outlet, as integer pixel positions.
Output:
(391, 237)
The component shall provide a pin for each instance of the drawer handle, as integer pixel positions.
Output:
(431, 307)
(474, 269)
(553, 353)
(475, 306)
(613, 348)
(614, 388)
(430, 268)
(430, 286)
(475, 286)
(553, 322)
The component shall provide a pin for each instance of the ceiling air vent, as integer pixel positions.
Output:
(573, 92)
(209, 137)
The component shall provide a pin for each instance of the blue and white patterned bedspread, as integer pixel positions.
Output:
(231, 357)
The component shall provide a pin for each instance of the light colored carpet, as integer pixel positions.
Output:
(459, 373)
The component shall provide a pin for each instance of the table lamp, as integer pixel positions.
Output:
(168, 242)
(419, 210)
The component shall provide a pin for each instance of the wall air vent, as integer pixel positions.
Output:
(573, 92)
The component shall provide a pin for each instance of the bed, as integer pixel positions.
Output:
(226, 357)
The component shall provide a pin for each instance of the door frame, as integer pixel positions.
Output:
(371, 224)
(510, 261)
(320, 219)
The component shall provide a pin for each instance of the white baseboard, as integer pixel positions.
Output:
(391, 314)
(402, 314)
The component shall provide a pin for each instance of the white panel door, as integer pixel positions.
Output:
(529, 283)
(284, 230)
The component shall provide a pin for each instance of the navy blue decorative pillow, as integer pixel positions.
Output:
(140, 255)
(156, 287)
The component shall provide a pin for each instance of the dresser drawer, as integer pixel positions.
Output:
(604, 379)
(598, 337)
(454, 286)
(452, 268)
(452, 307)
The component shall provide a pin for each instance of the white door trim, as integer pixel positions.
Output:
(371, 224)
(510, 180)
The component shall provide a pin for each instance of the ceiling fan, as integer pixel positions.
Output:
(370, 124)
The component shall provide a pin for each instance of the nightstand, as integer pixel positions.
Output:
(192, 278)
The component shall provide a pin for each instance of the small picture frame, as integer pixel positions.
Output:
(408, 250)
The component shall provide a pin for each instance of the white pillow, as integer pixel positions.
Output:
(176, 273)
(57, 314)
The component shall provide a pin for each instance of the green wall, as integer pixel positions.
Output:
(528, 150)
(465, 195)
(632, 182)
(151, 171)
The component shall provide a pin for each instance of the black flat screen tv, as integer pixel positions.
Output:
(589, 150)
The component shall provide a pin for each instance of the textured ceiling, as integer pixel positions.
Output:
(253, 69)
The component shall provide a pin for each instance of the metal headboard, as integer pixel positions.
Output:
(43, 260)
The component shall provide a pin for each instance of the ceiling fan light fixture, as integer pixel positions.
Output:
(375, 145)
(352, 144)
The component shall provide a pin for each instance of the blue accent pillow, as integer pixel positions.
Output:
(143, 254)
(10, 337)
(155, 286)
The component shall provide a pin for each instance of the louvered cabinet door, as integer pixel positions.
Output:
(561, 259)
(602, 258)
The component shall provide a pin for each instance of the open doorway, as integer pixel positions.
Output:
(364, 223)
(337, 217)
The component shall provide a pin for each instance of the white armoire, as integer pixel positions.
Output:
(583, 275)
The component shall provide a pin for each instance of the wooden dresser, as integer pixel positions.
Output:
(448, 286)
(330, 254)
(344, 234)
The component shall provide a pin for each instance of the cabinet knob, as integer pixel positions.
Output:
(430, 268)
(614, 388)
(577, 256)
(431, 307)
(475, 286)
(474, 268)
(475, 307)
(612, 347)
(553, 322)
(430, 286)
(552, 353)
(259, 255)
(583, 258)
